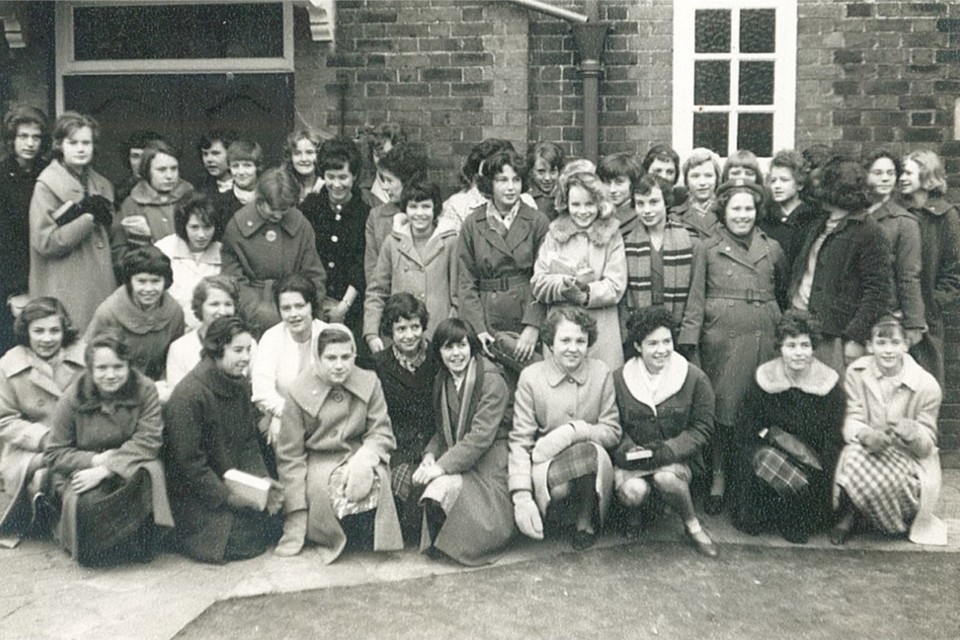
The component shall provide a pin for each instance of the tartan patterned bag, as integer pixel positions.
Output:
(784, 462)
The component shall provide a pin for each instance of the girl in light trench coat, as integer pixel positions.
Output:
(733, 310)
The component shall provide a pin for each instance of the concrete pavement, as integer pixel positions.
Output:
(44, 595)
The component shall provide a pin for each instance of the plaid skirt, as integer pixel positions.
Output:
(884, 487)
(576, 461)
(401, 480)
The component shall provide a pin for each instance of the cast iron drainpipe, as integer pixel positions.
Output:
(589, 34)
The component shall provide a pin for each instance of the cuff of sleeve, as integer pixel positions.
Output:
(518, 482)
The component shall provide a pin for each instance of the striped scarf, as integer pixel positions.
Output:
(677, 253)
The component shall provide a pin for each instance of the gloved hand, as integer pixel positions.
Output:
(527, 515)
(906, 429)
(100, 208)
(575, 293)
(360, 473)
(294, 534)
(554, 442)
(67, 213)
(874, 440)
(662, 456)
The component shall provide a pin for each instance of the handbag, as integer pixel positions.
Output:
(783, 462)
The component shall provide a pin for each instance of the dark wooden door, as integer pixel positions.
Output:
(181, 107)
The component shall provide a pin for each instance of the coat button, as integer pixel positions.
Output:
(41, 402)
(334, 239)
(730, 303)
(331, 264)
(729, 272)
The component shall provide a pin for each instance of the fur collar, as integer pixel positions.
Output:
(601, 232)
(672, 379)
(772, 377)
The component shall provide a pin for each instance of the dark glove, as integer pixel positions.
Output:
(100, 208)
(662, 456)
(68, 215)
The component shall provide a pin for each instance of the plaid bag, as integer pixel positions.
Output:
(776, 469)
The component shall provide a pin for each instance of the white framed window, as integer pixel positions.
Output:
(116, 37)
(734, 75)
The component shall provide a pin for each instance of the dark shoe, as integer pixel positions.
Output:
(796, 535)
(841, 531)
(584, 539)
(703, 544)
(713, 505)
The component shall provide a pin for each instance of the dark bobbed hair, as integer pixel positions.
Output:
(402, 306)
(619, 165)
(645, 320)
(147, 259)
(197, 204)
(150, 152)
(21, 114)
(664, 153)
(220, 333)
(335, 334)
(727, 190)
(816, 155)
(68, 123)
(201, 292)
(494, 165)
(245, 151)
(551, 152)
(298, 283)
(38, 309)
(337, 154)
(278, 189)
(886, 327)
(792, 161)
(842, 183)
(453, 330)
(649, 182)
(795, 323)
(420, 191)
(108, 339)
(223, 136)
(576, 315)
(407, 161)
(139, 140)
(870, 158)
(478, 155)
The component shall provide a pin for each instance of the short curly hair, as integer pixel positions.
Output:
(338, 154)
(495, 165)
(220, 333)
(402, 306)
(298, 283)
(645, 320)
(663, 153)
(842, 183)
(38, 309)
(198, 204)
(793, 162)
(795, 323)
(201, 292)
(577, 315)
(589, 181)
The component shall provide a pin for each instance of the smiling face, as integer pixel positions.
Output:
(215, 159)
(797, 353)
(77, 148)
(236, 356)
(164, 173)
(570, 343)
(664, 169)
(336, 362)
(651, 208)
(391, 185)
(146, 289)
(655, 349)
(420, 216)
(303, 156)
(783, 185)
(619, 189)
(339, 184)
(741, 214)
(218, 304)
(109, 373)
(888, 352)
(199, 234)
(407, 334)
(910, 178)
(244, 174)
(46, 336)
(456, 356)
(702, 181)
(882, 177)
(582, 207)
(26, 143)
(506, 189)
(544, 176)
(296, 313)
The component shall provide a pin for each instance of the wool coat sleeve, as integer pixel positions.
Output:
(857, 419)
(468, 292)
(47, 238)
(482, 431)
(874, 264)
(947, 285)
(699, 429)
(523, 435)
(184, 417)
(309, 263)
(379, 285)
(607, 291)
(548, 286)
(144, 445)
(15, 430)
(61, 453)
(692, 323)
(906, 271)
(927, 404)
(378, 435)
(371, 248)
(292, 457)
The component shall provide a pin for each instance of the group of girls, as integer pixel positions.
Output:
(515, 342)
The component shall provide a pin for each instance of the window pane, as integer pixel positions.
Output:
(713, 31)
(711, 82)
(756, 83)
(758, 28)
(710, 131)
(179, 32)
(755, 132)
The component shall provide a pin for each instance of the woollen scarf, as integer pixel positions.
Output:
(677, 253)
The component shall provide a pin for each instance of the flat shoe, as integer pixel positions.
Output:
(713, 505)
(839, 535)
(703, 544)
(584, 539)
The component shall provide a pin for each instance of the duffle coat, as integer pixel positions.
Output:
(28, 394)
(71, 263)
(732, 313)
(494, 273)
(431, 277)
(475, 446)
(322, 427)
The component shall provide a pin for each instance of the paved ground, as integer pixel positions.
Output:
(45, 595)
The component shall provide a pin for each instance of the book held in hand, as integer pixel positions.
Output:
(251, 487)
(638, 454)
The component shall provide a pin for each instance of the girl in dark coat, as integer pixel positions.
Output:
(803, 397)
(210, 428)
